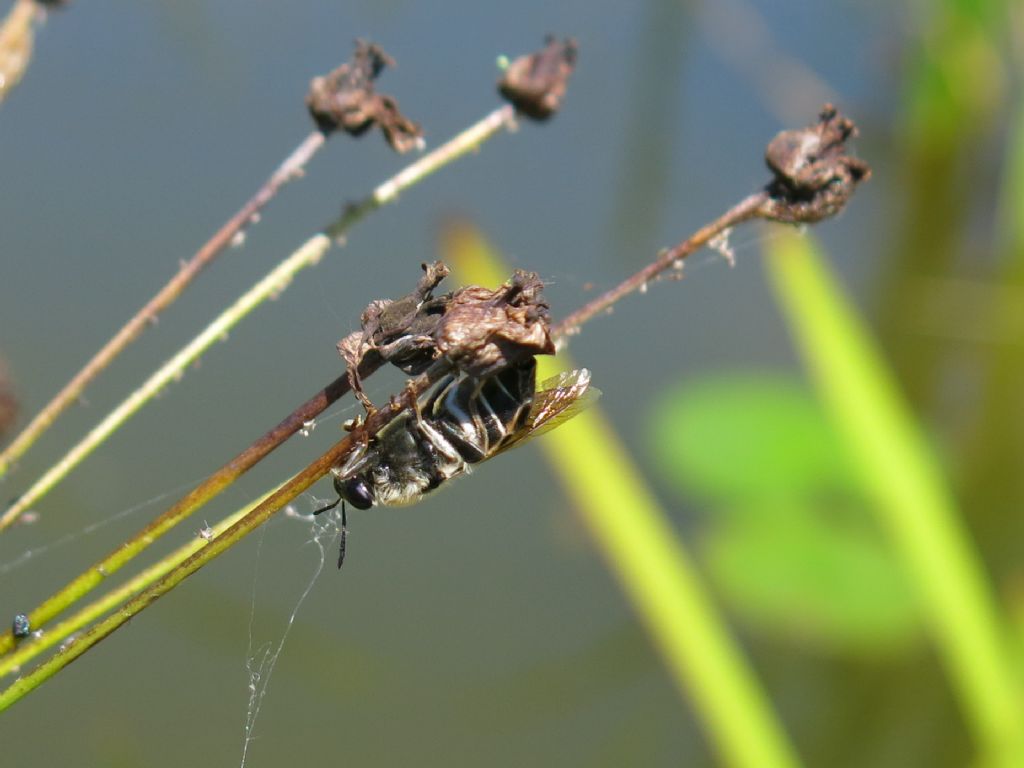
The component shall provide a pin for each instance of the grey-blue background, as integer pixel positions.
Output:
(480, 627)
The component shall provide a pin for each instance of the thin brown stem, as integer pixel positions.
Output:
(289, 169)
(256, 517)
(207, 490)
(815, 189)
(222, 478)
(749, 208)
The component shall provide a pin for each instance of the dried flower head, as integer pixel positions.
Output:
(535, 84)
(483, 331)
(814, 177)
(478, 330)
(398, 331)
(345, 99)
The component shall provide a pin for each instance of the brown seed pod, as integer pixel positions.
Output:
(814, 177)
(345, 99)
(535, 83)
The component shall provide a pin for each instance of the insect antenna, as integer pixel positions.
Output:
(343, 539)
(329, 507)
(344, 526)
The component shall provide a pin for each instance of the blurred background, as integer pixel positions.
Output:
(482, 626)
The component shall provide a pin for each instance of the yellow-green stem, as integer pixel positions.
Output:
(273, 284)
(251, 520)
(912, 499)
(167, 295)
(63, 630)
(656, 572)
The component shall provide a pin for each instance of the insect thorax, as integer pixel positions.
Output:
(462, 420)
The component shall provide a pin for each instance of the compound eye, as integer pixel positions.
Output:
(356, 492)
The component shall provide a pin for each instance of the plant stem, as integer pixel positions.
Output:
(63, 630)
(68, 653)
(745, 732)
(655, 571)
(666, 591)
(271, 285)
(218, 545)
(289, 169)
(913, 501)
(750, 207)
(200, 495)
(466, 141)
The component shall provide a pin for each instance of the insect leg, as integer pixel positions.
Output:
(416, 411)
(343, 539)
(356, 383)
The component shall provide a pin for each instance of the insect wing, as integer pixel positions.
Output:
(558, 400)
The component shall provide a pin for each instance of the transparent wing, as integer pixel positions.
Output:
(556, 401)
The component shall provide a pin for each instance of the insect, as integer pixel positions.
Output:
(461, 421)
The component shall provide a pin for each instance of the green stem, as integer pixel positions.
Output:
(62, 630)
(271, 285)
(913, 501)
(220, 544)
(208, 489)
(255, 517)
(644, 553)
(70, 392)
(665, 589)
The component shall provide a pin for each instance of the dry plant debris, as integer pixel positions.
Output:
(345, 99)
(477, 330)
(535, 83)
(814, 177)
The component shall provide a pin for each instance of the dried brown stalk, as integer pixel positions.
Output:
(813, 179)
(352, 83)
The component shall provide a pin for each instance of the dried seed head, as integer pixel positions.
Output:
(814, 177)
(483, 331)
(400, 331)
(535, 83)
(345, 99)
(478, 330)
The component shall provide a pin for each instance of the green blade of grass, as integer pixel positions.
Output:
(641, 547)
(62, 631)
(665, 589)
(272, 284)
(912, 498)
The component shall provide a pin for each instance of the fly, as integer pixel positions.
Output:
(461, 421)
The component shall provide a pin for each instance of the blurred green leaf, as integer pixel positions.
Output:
(800, 577)
(788, 542)
(737, 436)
